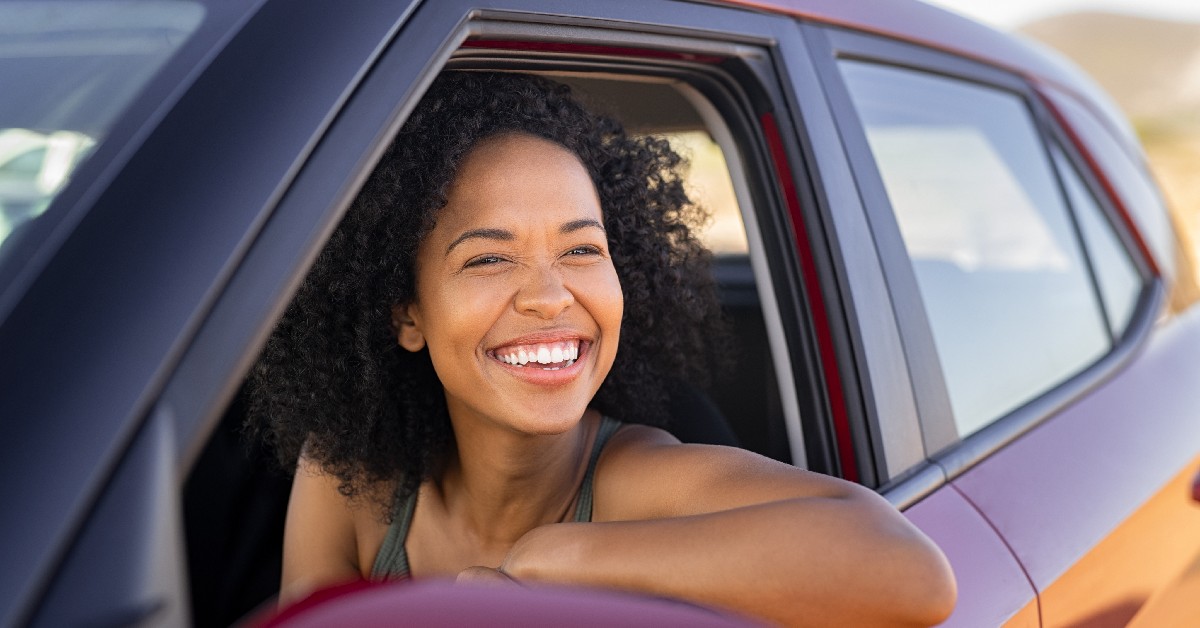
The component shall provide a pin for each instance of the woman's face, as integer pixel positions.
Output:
(517, 297)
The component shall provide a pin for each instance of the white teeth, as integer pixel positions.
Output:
(555, 353)
(559, 368)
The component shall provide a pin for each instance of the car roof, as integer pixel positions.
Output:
(924, 24)
(935, 27)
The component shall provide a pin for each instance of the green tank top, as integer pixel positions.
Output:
(391, 563)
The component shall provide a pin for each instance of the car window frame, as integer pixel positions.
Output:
(741, 98)
(200, 388)
(955, 455)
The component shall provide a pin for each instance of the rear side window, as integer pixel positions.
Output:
(1117, 277)
(1003, 277)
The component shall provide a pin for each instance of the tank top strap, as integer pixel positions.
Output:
(583, 507)
(391, 563)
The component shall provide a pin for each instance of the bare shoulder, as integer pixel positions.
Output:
(321, 534)
(646, 473)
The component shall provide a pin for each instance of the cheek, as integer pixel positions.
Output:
(466, 310)
(609, 302)
(618, 307)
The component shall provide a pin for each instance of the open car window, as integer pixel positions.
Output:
(747, 395)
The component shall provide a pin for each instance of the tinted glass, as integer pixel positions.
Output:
(1119, 281)
(1009, 297)
(67, 70)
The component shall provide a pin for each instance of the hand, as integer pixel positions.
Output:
(485, 575)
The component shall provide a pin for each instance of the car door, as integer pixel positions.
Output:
(897, 442)
(1027, 299)
(121, 270)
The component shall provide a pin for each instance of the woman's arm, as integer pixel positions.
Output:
(319, 541)
(726, 527)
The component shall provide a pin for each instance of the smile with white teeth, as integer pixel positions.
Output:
(548, 356)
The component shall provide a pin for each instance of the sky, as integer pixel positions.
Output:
(1008, 14)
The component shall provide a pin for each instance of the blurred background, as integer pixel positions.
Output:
(1146, 55)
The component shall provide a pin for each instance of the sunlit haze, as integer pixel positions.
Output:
(1009, 14)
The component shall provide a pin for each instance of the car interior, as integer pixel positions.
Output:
(235, 496)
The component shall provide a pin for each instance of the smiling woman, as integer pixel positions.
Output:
(467, 380)
(527, 272)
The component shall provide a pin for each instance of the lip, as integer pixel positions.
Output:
(538, 376)
(545, 336)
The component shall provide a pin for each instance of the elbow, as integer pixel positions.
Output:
(925, 590)
(933, 591)
(916, 583)
(940, 597)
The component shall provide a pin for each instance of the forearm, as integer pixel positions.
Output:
(796, 562)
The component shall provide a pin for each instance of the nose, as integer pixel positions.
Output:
(543, 294)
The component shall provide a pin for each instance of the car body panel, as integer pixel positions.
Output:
(1117, 456)
(1137, 573)
(444, 603)
(1175, 604)
(992, 587)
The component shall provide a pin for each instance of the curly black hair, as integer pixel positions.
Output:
(332, 381)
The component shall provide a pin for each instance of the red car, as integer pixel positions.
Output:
(950, 274)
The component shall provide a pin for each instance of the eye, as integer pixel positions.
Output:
(584, 249)
(483, 260)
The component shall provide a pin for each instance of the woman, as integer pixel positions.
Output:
(469, 374)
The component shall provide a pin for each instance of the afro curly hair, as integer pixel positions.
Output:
(332, 382)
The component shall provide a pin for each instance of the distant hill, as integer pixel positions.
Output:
(1151, 67)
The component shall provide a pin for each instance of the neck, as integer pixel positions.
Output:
(500, 483)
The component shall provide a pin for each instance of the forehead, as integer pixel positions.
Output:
(516, 177)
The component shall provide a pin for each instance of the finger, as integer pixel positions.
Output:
(483, 575)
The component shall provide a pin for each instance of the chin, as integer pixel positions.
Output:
(537, 422)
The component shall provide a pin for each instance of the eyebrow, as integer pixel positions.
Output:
(507, 236)
(486, 234)
(583, 223)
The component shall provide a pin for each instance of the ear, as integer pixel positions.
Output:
(408, 330)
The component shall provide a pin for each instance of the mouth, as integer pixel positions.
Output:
(545, 356)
